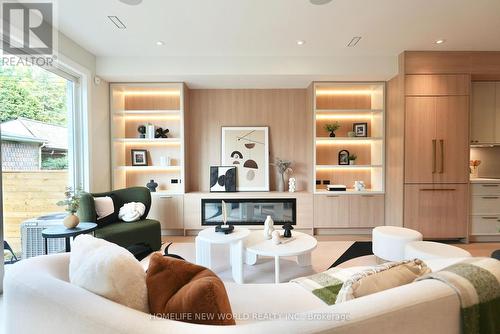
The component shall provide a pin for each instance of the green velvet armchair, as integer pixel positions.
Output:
(125, 234)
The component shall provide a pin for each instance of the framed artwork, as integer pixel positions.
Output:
(222, 178)
(139, 157)
(344, 157)
(360, 129)
(247, 148)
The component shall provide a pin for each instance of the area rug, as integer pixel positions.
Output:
(326, 253)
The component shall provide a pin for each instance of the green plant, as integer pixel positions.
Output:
(332, 127)
(352, 157)
(72, 201)
(55, 163)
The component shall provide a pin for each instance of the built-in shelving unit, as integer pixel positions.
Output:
(161, 105)
(349, 103)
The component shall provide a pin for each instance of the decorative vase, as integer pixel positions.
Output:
(292, 185)
(351, 134)
(276, 237)
(281, 182)
(152, 185)
(71, 220)
(332, 134)
(352, 162)
(288, 230)
(268, 227)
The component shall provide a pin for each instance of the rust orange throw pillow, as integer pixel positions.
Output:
(183, 291)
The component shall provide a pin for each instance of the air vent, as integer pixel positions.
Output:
(117, 22)
(354, 41)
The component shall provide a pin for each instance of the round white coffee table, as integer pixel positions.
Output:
(300, 245)
(208, 236)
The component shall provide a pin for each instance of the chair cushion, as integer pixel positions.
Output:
(109, 271)
(146, 231)
(106, 209)
(180, 290)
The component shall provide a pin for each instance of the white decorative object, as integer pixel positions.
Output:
(207, 237)
(292, 185)
(117, 275)
(301, 245)
(427, 250)
(131, 212)
(224, 215)
(276, 237)
(359, 186)
(268, 227)
(389, 241)
(150, 131)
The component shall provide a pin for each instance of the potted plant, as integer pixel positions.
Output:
(283, 167)
(332, 127)
(352, 159)
(72, 202)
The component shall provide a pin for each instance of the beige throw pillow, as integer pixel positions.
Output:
(380, 278)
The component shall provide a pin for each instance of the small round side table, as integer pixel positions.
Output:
(66, 233)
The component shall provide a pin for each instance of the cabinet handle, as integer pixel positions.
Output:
(489, 185)
(489, 218)
(164, 196)
(490, 197)
(367, 195)
(432, 189)
(433, 156)
(441, 147)
(332, 196)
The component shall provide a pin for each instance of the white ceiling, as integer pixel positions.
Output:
(252, 43)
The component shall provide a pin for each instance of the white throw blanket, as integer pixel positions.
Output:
(132, 211)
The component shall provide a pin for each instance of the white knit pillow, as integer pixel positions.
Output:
(108, 270)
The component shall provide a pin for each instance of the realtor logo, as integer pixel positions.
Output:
(27, 28)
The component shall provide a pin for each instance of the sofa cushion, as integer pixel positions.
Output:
(183, 291)
(146, 231)
(381, 277)
(106, 210)
(108, 270)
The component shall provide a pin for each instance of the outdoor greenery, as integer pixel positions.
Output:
(55, 163)
(32, 92)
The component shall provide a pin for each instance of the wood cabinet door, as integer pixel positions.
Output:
(168, 210)
(483, 113)
(366, 210)
(437, 211)
(331, 211)
(420, 140)
(452, 154)
(437, 84)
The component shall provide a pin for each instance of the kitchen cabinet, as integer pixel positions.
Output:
(485, 209)
(485, 114)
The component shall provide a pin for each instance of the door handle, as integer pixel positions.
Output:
(490, 218)
(441, 147)
(489, 185)
(433, 156)
(490, 197)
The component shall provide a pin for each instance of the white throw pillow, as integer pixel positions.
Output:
(108, 270)
(104, 206)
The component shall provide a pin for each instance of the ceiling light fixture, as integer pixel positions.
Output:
(131, 2)
(160, 43)
(319, 2)
(440, 41)
(354, 41)
(301, 42)
(117, 22)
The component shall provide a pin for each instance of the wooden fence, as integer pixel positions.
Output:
(29, 194)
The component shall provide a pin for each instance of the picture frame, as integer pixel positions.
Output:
(360, 129)
(344, 157)
(247, 148)
(139, 157)
(222, 179)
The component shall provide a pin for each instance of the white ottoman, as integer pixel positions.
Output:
(426, 250)
(389, 241)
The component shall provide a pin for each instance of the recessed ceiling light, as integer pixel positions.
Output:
(440, 41)
(301, 42)
(319, 2)
(131, 2)
(117, 22)
(160, 43)
(354, 41)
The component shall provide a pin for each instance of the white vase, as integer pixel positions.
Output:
(268, 227)
(276, 237)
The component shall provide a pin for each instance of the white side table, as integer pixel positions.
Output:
(300, 245)
(208, 236)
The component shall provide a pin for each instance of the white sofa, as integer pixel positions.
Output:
(39, 299)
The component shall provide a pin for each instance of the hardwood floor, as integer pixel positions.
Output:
(475, 248)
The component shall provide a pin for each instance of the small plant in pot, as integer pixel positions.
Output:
(72, 202)
(352, 159)
(332, 127)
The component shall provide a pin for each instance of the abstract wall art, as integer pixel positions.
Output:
(222, 178)
(247, 148)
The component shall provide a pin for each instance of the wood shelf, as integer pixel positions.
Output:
(146, 112)
(346, 166)
(348, 192)
(354, 139)
(148, 140)
(150, 168)
(347, 111)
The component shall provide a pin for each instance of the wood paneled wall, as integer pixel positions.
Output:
(285, 111)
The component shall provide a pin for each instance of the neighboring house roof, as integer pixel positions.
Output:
(28, 130)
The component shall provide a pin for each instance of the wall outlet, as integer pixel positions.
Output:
(326, 182)
(318, 182)
(174, 181)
